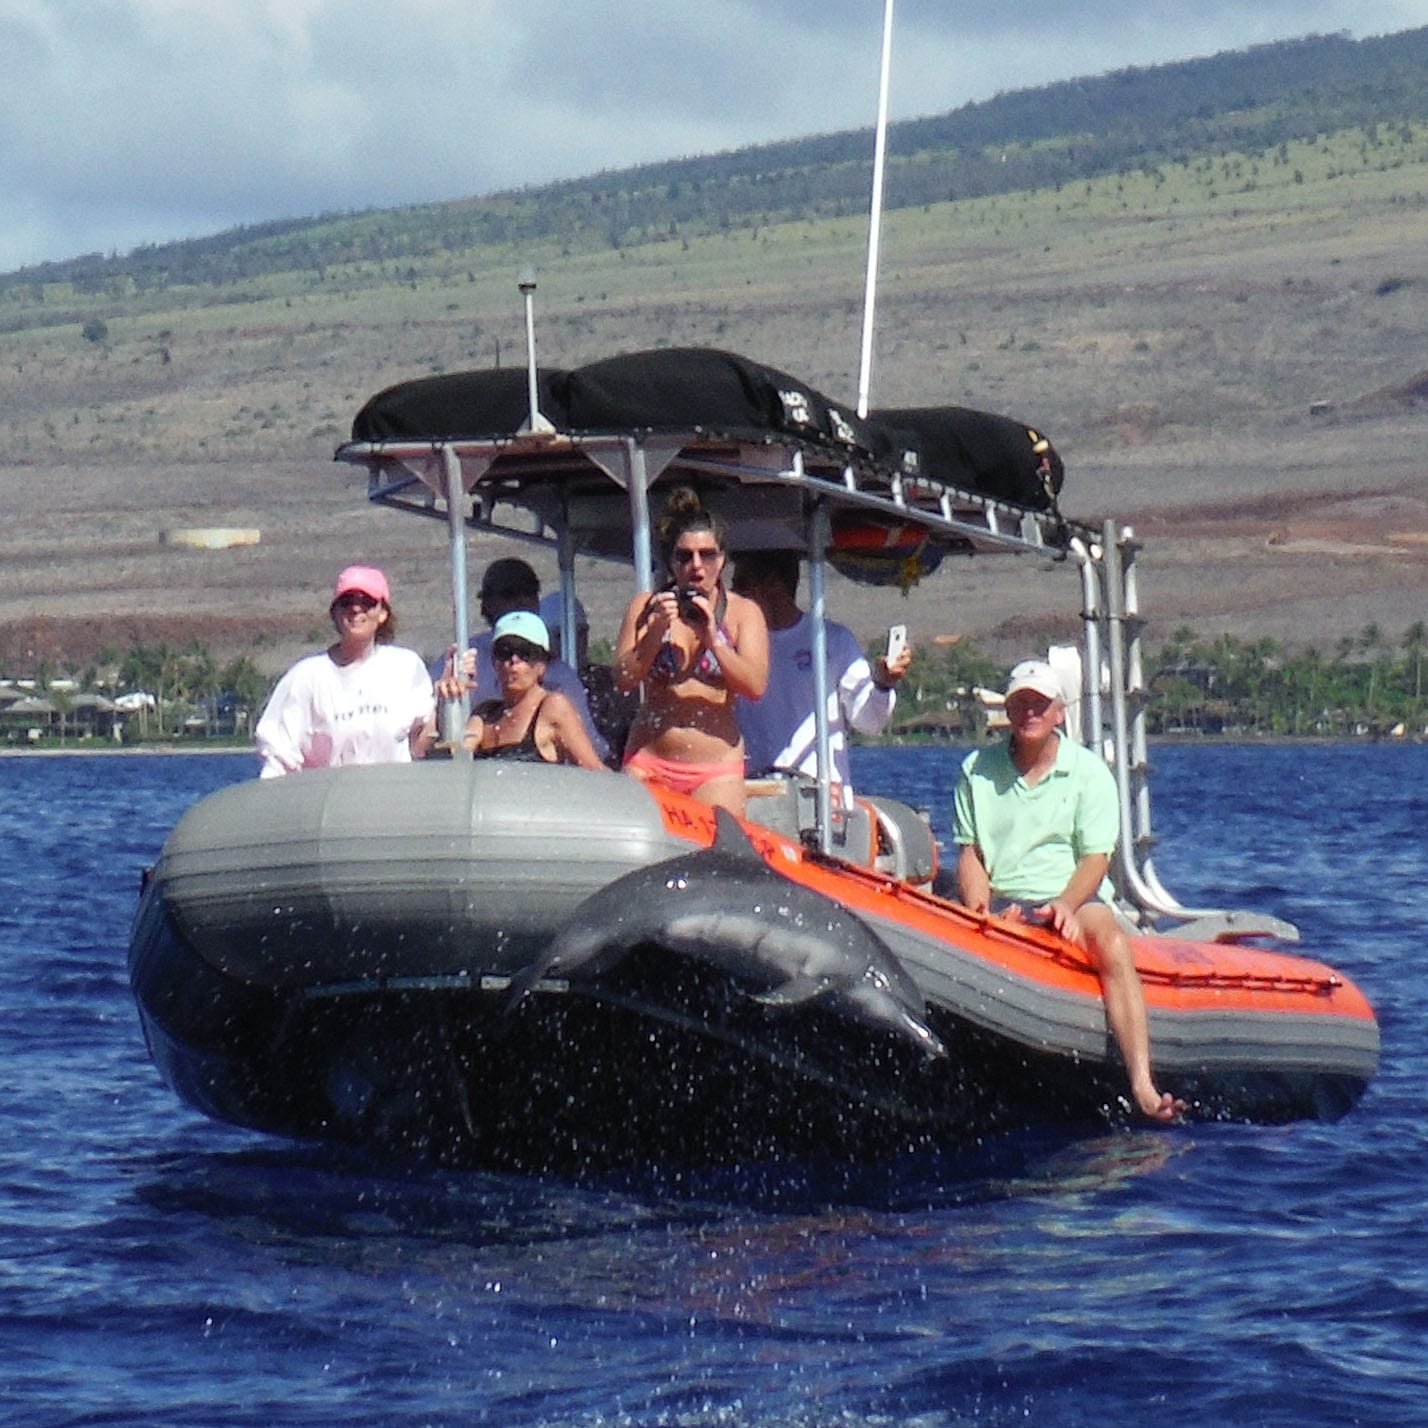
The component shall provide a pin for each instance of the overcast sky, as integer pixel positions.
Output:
(132, 121)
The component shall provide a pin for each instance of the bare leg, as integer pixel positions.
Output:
(724, 793)
(1125, 1008)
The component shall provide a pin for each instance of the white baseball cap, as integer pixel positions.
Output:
(1034, 674)
(521, 625)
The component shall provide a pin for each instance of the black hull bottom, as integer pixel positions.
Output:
(663, 1066)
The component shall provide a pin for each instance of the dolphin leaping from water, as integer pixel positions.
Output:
(725, 906)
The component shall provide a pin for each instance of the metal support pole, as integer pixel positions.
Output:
(1138, 752)
(641, 541)
(1144, 835)
(1132, 882)
(1138, 882)
(1115, 642)
(1091, 724)
(565, 559)
(819, 536)
(451, 724)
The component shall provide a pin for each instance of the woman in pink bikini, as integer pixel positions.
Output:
(695, 648)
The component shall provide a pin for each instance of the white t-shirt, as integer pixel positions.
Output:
(326, 715)
(779, 728)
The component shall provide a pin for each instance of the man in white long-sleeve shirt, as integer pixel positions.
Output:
(779, 728)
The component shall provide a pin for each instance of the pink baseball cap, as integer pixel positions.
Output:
(365, 580)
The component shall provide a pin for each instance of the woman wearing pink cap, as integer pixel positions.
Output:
(363, 700)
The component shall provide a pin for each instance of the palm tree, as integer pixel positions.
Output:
(1312, 662)
(1415, 637)
(153, 668)
(250, 686)
(200, 677)
(64, 707)
(1369, 641)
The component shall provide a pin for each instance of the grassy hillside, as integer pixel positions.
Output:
(1304, 270)
(1239, 103)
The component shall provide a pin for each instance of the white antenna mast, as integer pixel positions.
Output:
(875, 224)
(536, 422)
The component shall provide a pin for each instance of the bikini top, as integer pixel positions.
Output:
(524, 752)
(669, 665)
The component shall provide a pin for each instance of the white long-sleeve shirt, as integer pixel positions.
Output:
(324, 715)
(779, 728)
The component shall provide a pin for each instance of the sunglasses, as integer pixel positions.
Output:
(507, 650)
(708, 554)
(355, 600)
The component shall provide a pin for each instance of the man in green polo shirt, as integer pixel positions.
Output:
(1037, 821)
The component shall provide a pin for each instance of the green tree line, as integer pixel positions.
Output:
(1369, 683)
(193, 692)
(189, 681)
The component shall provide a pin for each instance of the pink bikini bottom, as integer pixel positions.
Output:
(681, 777)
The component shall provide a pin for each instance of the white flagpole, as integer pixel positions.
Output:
(875, 224)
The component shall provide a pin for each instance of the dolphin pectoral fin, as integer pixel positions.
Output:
(794, 992)
(594, 937)
(567, 957)
(521, 985)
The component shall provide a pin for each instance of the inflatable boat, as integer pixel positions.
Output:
(555, 969)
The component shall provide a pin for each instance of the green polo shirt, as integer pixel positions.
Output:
(1032, 837)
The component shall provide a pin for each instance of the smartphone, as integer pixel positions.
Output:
(897, 641)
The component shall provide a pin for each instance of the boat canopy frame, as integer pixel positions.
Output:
(589, 493)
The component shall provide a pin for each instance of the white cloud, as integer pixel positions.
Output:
(126, 121)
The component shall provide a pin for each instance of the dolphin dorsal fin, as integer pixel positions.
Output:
(729, 837)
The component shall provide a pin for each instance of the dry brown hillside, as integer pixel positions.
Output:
(1239, 376)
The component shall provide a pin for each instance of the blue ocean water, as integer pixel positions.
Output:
(158, 1269)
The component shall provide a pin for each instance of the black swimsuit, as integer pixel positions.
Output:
(524, 752)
